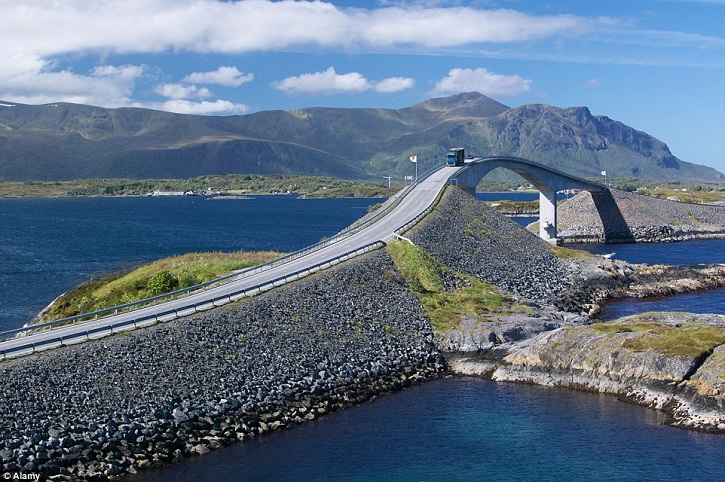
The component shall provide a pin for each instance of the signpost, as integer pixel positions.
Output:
(414, 159)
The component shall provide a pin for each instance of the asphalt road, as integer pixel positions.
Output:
(412, 205)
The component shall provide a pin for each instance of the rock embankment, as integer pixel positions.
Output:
(668, 361)
(157, 395)
(638, 218)
(468, 237)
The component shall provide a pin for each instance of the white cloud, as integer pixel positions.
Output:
(48, 27)
(182, 91)
(594, 83)
(394, 84)
(105, 85)
(483, 81)
(40, 38)
(330, 82)
(182, 106)
(226, 76)
(327, 82)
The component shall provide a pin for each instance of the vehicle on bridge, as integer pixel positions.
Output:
(456, 156)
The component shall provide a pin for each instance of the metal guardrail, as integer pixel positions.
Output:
(220, 300)
(169, 315)
(4, 335)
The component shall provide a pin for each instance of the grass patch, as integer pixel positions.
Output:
(569, 253)
(421, 270)
(690, 339)
(689, 193)
(445, 309)
(152, 279)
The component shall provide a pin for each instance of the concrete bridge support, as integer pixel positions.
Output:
(547, 216)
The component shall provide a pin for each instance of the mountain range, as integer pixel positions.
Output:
(63, 141)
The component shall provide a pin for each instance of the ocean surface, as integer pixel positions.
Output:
(468, 429)
(48, 246)
(453, 429)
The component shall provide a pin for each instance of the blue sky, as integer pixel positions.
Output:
(656, 65)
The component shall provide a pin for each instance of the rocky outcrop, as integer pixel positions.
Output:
(156, 395)
(554, 341)
(699, 402)
(667, 361)
(638, 218)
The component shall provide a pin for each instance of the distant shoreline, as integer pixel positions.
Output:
(233, 184)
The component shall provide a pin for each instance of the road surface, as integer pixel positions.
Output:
(411, 206)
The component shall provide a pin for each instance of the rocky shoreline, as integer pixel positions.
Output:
(557, 342)
(637, 218)
(686, 386)
(154, 396)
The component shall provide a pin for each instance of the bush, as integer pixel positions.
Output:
(162, 282)
(187, 278)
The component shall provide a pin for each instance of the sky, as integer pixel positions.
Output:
(655, 65)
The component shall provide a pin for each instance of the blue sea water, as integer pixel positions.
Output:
(453, 429)
(47, 246)
(705, 251)
(464, 429)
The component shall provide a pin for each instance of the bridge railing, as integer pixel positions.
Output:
(541, 166)
(4, 335)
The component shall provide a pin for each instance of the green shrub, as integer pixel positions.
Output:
(162, 282)
(187, 278)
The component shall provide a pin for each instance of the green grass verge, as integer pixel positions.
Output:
(153, 279)
(421, 270)
(445, 309)
(690, 339)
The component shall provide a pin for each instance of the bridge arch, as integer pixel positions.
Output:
(548, 182)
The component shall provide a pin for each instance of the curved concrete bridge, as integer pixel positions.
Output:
(411, 207)
(547, 181)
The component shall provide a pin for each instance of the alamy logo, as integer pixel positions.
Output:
(20, 476)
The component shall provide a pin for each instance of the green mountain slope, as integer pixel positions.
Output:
(68, 141)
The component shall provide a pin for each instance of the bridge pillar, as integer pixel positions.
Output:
(547, 216)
